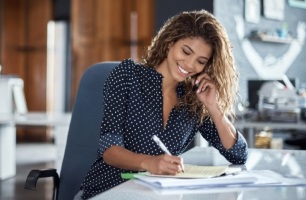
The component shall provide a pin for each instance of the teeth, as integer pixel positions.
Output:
(182, 70)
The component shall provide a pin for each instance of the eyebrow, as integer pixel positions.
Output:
(193, 51)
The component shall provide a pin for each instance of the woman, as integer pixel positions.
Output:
(157, 97)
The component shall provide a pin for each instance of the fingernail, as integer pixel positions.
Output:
(196, 82)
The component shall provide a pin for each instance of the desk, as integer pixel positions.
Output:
(251, 126)
(8, 123)
(286, 162)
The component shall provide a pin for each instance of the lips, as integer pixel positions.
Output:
(182, 70)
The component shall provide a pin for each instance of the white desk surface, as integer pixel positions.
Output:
(36, 119)
(301, 125)
(249, 127)
(287, 162)
(8, 123)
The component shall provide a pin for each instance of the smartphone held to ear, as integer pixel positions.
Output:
(195, 87)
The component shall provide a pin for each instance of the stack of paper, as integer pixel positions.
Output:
(161, 182)
(214, 176)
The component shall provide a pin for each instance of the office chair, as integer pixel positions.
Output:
(83, 135)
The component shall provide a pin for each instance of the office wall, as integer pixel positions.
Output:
(165, 9)
(276, 58)
(61, 9)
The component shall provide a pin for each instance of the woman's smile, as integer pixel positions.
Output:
(184, 72)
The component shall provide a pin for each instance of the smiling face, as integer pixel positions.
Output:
(186, 57)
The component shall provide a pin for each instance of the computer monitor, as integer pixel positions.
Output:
(255, 85)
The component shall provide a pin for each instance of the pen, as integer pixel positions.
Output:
(163, 147)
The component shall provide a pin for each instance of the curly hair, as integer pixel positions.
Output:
(221, 66)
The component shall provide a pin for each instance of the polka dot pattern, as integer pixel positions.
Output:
(133, 104)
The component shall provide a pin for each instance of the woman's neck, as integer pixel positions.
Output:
(169, 84)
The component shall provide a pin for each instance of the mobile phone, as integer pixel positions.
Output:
(196, 86)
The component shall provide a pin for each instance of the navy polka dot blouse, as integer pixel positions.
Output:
(133, 106)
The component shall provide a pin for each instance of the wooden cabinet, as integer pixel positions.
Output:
(101, 31)
(24, 47)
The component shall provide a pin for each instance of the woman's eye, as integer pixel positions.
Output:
(186, 52)
(202, 62)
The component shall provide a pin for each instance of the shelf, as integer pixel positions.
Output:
(275, 39)
(272, 39)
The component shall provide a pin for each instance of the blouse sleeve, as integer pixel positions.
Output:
(115, 92)
(237, 154)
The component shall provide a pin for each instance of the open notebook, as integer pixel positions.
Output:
(193, 171)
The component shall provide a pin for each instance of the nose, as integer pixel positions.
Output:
(191, 64)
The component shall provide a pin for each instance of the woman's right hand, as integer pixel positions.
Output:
(163, 164)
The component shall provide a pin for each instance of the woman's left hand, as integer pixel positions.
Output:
(206, 91)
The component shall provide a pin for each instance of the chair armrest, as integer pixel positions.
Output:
(35, 174)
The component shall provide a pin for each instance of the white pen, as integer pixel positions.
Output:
(163, 147)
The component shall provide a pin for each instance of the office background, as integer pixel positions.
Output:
(291, 16)
(91, 39)
(95, 31)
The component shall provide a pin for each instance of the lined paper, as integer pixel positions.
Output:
(194, 171)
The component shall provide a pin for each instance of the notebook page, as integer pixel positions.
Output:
(193, 171)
